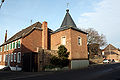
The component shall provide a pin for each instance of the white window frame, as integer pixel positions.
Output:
(20, 44)
(9, 46)
(1, 49)
(0, 58)
(14, 57)
(4, 47)
(11, 57)
(4, 56)
(79, 43)
(63, 42)
(18, 57)
(15, 45)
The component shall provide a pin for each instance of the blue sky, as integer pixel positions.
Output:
(102, 15)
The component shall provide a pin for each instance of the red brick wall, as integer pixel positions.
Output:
(10, 52)
(76, 51)
(32, 41)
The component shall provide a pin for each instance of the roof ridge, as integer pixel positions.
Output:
(20, 33)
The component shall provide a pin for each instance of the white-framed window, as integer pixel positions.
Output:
(19, 44)
(18, 57)
(4, 47)
(63, 40)
(0, 49)
(79, 41)
(15, 44)
(14, 57)
(6, 57)
(7, 47)
(0, 58)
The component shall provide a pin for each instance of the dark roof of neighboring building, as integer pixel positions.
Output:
(68, 23)
(23, 32)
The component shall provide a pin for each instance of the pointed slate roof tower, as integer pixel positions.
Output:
(68, 23)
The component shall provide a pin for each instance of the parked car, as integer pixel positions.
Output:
(105, 61)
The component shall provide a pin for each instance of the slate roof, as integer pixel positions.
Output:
(68, 23)
(24, 32)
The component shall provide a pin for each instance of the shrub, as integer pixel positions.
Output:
(62, 59)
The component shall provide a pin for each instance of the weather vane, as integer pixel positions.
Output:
(67, 5)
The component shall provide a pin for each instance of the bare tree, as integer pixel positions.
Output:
(95, 38)
(94, 42)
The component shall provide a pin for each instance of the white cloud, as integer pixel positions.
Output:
(105, 19)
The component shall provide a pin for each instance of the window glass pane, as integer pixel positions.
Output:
(79, 41)
(6, 58)
(0, 49)
(63, 41)
(15, 44)
(14, 57)
(11, 46)
(7, 47)
(0, 58)
(19, 57)
(19, 44)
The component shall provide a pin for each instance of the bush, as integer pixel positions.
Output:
(62, 59)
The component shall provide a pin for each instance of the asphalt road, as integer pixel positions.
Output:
(99, 72)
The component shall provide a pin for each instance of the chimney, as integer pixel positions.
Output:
(6, 36)
(44, 35)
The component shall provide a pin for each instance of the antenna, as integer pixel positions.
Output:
(31, 21)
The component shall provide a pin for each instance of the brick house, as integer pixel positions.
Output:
(111, 52)
(39, 35)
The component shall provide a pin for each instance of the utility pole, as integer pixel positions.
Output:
(1, 3)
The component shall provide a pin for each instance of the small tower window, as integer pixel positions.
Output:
(79, 41)
(63, 41)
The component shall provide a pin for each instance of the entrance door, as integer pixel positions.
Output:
(30, 62)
